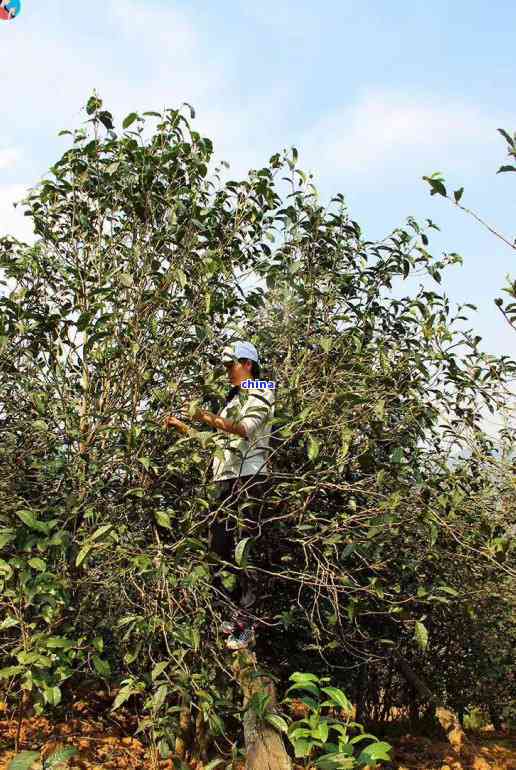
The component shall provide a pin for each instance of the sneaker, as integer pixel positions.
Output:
(241, 639)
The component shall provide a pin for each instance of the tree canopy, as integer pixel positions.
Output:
(389, 537)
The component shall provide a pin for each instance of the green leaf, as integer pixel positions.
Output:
(37, 563)
(106, 119)
(137, 492)
(5, 569)
(129, 120)
(93, 103)
(58, 642)
(276, 721)
(229, 581)
(309, 686)
(83, 321)
(52, 695)
(457, 194)
(98, 643)
(506, 136)
(313, 448)
(7, 536)
(335, 761)
(300, 676)
(159, 669)
(436, 183)
(213, 764)
(8, 622)
(102, 667)
(302, 747)
(192, 111)
(83, 554)
(448, 590)
(310, 702)
(23, 761)
(124, 694)
(338, 697)
(162, 519)
(240, 552)
(101, 531)
(10, 671)
(374, 752)
(397, 456)
(30, 520)
(159, 697)
(503, 169)
(321, 731)
(421, 635)
(361, 737)
(60, 756)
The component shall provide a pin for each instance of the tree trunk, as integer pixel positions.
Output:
(264, 745)
(184, 737)
(448, 719)
(202, 738)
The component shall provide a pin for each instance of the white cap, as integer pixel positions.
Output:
(240, 350)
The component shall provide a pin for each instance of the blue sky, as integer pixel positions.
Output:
(373, 95)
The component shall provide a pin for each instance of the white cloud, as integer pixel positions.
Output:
(9, 157)
(286, 19)
(145, 57)
(12, 220)
(385, 130)
(151, 60)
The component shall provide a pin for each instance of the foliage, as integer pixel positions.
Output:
(313, 732)
(496, 656)
(25, 760)
(437, 185)
(391, 517)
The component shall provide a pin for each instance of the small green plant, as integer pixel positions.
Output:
(475, 719)
(312, 735)
(26, 759)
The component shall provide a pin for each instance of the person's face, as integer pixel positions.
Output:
(238, 372)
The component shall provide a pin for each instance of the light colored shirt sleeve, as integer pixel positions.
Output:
(256, 410)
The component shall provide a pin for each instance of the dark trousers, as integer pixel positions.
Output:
(240, 505)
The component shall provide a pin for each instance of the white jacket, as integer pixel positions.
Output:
(253, 408)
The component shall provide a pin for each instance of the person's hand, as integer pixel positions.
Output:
(173, 422)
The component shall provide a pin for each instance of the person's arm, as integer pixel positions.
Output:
(220, 423)
(255, 412)
(210, 419)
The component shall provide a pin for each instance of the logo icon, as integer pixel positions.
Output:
(9, 9)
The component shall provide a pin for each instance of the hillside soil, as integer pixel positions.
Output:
(105, 741)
